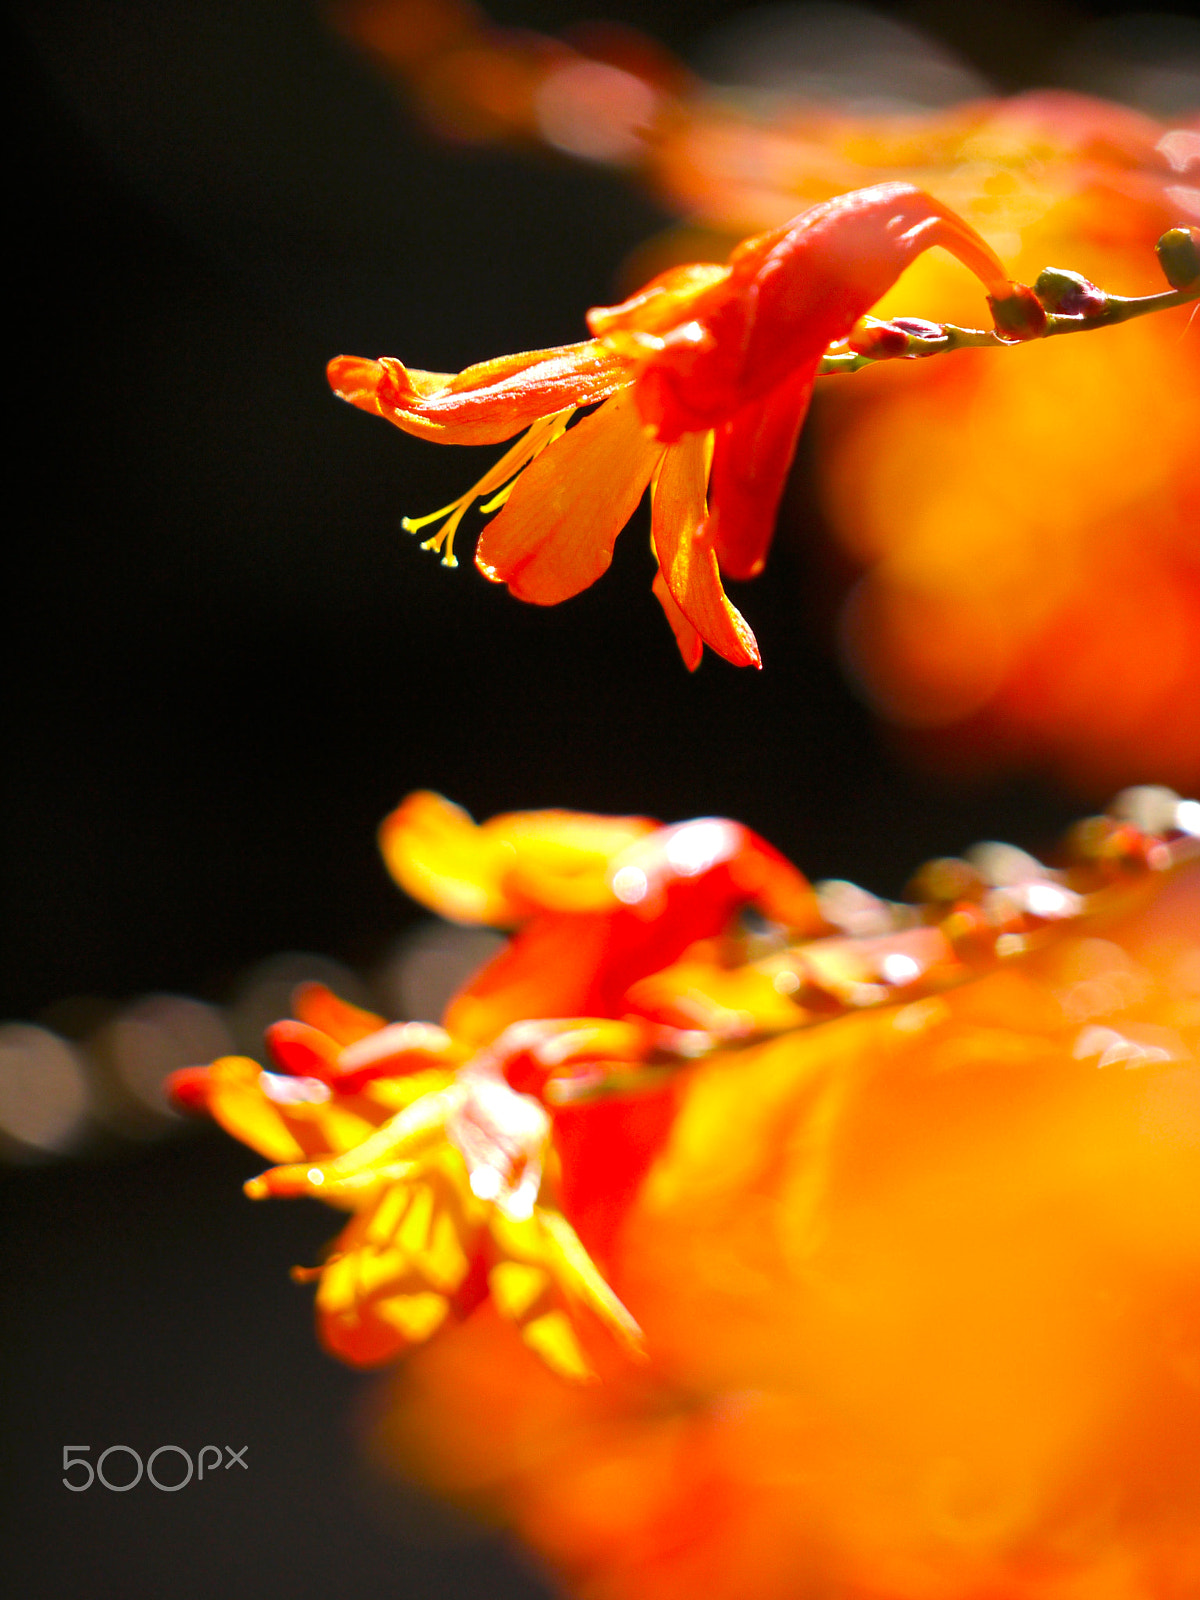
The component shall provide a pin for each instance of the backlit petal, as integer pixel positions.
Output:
(438, 855)
(751, 460)
(562, 857)
(512, 865)
(484, 403)
(665, 301)
(691, 645)
(685, 553)
(555, 535)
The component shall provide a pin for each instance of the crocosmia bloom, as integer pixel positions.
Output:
(430, 1136)
(876, 1222)
(701, 381)
(1023, 531)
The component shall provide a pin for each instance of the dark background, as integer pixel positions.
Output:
(229, 663)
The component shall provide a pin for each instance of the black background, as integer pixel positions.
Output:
(228, 664)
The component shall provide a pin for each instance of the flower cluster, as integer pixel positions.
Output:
(438, 1139)
(630, 958)
(916, 1259)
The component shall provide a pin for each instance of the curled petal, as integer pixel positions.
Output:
(791, 293)
(825, 270)
(485, 403)
(556, 533)
(501, 872)
(751, 460)
(683, 543)
(438, 855)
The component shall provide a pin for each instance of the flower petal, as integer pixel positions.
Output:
(684, 546)
(751, 460)
(833, 262)
(439, 856)
(484, 403)
(691, 645)
(555, 535)
(514, 864)
(344, 1023)
(660, 305)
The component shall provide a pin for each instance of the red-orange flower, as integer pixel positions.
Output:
(703, 379)
(919, 1284)
(904, 1198)
(439, 1141)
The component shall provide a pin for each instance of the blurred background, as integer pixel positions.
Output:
(229, 663)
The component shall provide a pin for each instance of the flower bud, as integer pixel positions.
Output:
(877, 340)
(1068, 294)
(1019, 314)
(919, 327)
(1179, 256)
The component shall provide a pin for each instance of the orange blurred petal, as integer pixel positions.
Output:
(502, 871)
(320, 1008)
(438, 855)
(562, 857)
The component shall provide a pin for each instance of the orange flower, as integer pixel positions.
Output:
(1034, 598)
(469, 1154)
(904, 1197)
(919, 1284)
(1044, 613)
(440, 1140)
(703, 379)
(447, 1170)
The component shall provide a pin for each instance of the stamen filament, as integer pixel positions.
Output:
(542, 433)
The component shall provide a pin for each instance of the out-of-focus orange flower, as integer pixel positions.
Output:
(904, 1199)
(446, 1169)
(429, 1135)
(920, 1285)
(704, 377)
(1024, 530)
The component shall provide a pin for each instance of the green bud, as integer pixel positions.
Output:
(1179, 256)
(1069, 294)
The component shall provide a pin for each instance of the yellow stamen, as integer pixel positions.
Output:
(543, 432)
